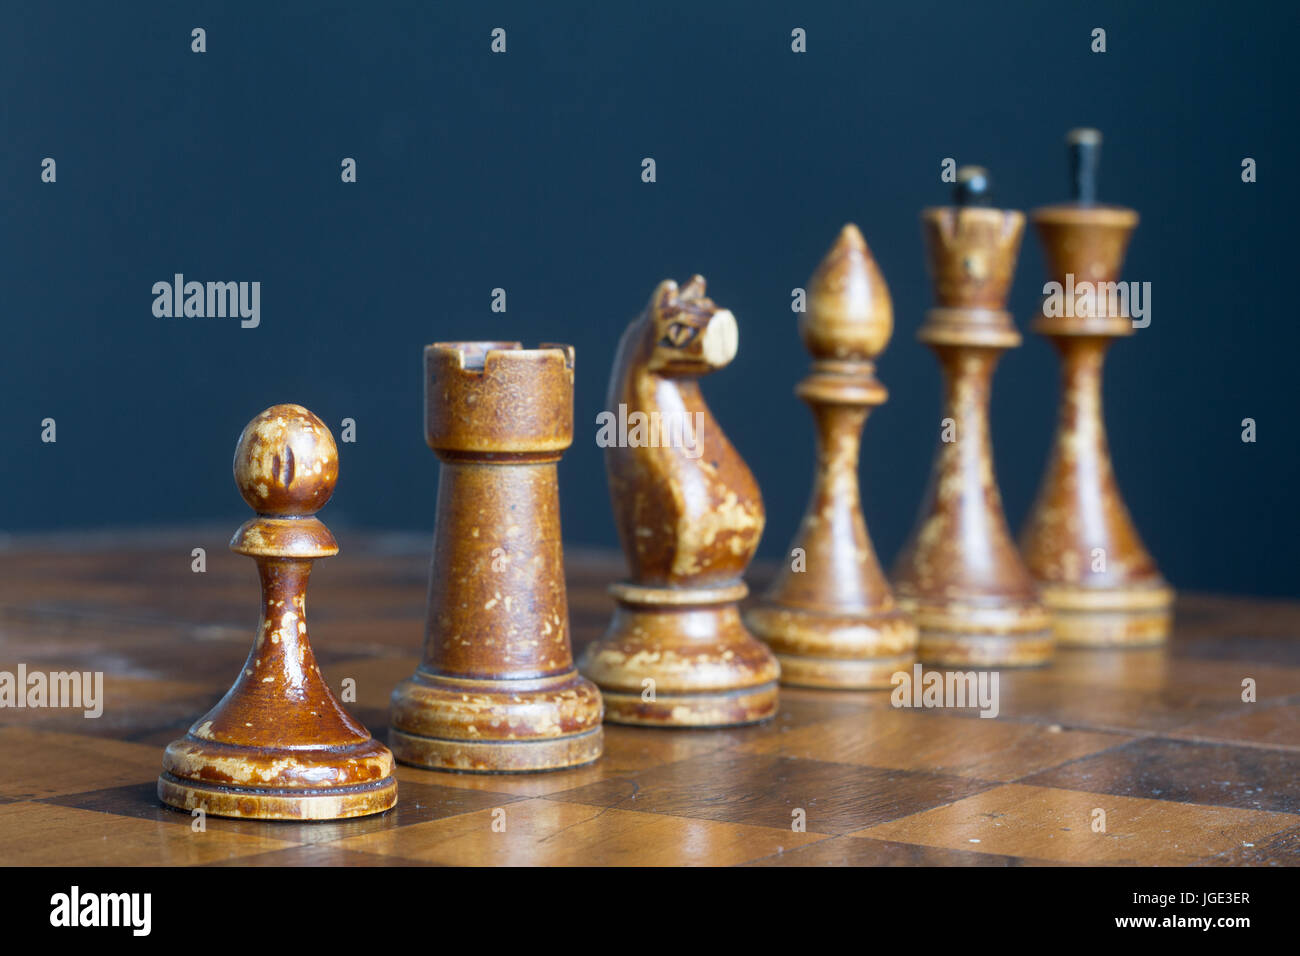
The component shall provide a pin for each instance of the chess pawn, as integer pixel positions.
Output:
(689, 516)
(960, 573)
(830, 615)
(279, 746)
(496, 690)
(1093, 572)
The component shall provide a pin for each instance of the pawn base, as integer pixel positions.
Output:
(676, 657)
(309, 781)
(335, 803)
(836, 651)
(982, 635)
(527, 725)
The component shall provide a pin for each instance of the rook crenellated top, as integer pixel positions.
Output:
(498, 398)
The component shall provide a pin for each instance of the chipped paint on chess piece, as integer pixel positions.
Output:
(960, 573)
(279, 745)
(689, 515)
(834, 622)
(496, 690)
(1079, 541)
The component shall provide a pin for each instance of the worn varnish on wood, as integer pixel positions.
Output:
(1158, 737)
(1094, 573)
(279, 745)
(959, 573)
(497, 690)
(689, 516)
(830, 615)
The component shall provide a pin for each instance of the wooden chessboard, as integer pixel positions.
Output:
(1159, 739)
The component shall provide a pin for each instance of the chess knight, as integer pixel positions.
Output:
(676, 652)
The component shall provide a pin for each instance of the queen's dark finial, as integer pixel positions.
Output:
(1085, 155)
(973, 187)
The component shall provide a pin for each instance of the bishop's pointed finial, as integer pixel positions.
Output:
(850, 315)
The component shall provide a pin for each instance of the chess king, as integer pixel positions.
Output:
(1079, 541)
(689, 516)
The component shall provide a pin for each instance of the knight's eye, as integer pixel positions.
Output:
(679, 333)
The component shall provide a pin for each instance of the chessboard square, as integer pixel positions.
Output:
(40, 764)
(124, 704)
(1103, 708)
(864, 851)
(373, 680)
(1280, 849)
(43, 834)
(1156, 670)
(1249, 778)
(317, 854)
(550, 833)
(900, 739)
(1046, 823)
(628, 750)
(416, 803)
(772, 791)
(1262, 724)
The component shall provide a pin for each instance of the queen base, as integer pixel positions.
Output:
(677, 657)
(1110, 617)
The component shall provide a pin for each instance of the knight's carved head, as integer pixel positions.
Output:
(691, 336)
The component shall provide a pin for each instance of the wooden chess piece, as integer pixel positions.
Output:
(830, 615)
(1093, 572)
(496, 690)
(689, 516)
(279, 746)
(959, 573)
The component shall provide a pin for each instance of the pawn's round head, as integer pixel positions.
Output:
(286, 462)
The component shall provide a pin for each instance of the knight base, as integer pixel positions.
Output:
(675, 657)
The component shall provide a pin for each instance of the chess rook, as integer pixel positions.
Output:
(496, 690)
(1080, 544)
(689, 515)
(830, 615)
(959, 573)
(279, 746)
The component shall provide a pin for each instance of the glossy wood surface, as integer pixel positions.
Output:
(1159, 738)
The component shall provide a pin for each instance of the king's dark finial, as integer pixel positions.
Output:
(1085, 154)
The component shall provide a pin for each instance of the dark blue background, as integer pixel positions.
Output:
(523, 171)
